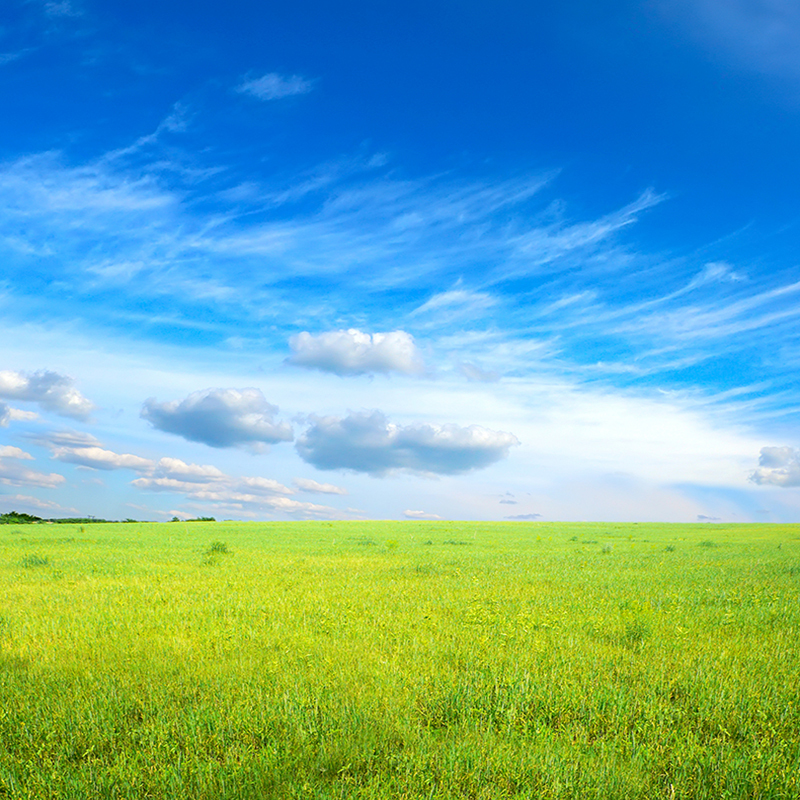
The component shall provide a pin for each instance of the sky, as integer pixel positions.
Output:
(355, 260)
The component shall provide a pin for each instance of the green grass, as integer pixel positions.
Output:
(399, 660)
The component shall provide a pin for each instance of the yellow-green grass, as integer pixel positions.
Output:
(399, 660)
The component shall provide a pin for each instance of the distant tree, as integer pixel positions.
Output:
(18, 518)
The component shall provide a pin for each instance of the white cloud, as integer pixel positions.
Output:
(9, 414)
(99, 458)
(472, 372)
(49, 390)
(14, 452)
(26, 503)
(778, 466)
(67, 438)
(83, 449)
(524, 517)
(716, 272)
(410, 514)
(248, 495)
(368, 442)
(263, 486)
(204, 484)
(456, 303)
(191, 473)
(353, 352)
(220, 418)
(14, 474)
(313, 487)
(273, 86)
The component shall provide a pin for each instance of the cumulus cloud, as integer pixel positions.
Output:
(313, 487)
(524, 517)
(778, 466)
(409, 514)
(220, 418)
(353, 352)
(273, 86)
(49, 390)
(368, 442)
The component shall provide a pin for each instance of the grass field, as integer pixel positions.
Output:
(399, 660)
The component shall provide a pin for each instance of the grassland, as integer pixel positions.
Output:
(399, 660)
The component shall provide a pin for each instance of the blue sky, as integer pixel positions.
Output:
(355, 260)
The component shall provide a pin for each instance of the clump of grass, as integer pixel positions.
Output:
(670, 548)
(215, 550)
(362, 541)
(32, 561)
(636, 631)
(606, 548)
(455, 541)
(706, 543)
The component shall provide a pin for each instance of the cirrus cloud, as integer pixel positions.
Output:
(353, 352)
(273, 86)
(368, 442)
(220, 418)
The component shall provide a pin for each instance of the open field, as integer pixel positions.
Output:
(399, 660)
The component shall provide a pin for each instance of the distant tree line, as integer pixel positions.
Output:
(18, 518)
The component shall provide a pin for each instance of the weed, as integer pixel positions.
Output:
(606, 548)
(32, 561)
(636, 631)
(670, 548)
(217, 548)
(706, 543)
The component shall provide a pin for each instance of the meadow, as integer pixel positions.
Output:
(399, 660)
